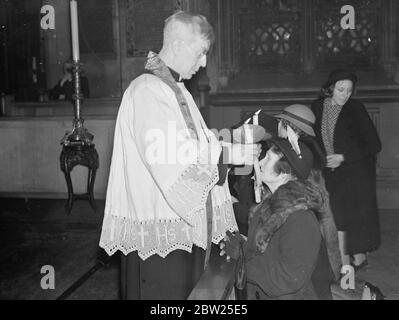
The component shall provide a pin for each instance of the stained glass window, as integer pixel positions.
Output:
(356, 47)
(269, 35)
(278, 34)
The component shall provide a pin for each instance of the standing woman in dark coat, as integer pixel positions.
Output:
(351, 143)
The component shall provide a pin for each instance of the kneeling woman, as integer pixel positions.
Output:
(285, 255)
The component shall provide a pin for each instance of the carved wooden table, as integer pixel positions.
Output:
(79, 155)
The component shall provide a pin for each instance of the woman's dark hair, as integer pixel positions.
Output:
(282, 165)
(337, 75)
(327, 92)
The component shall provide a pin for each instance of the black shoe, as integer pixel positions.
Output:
(375, 292)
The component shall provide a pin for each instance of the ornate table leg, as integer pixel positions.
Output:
(67, 172)
(68, 205)
(90, 187)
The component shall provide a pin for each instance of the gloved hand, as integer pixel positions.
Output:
(231, 245)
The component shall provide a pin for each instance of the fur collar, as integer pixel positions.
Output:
(275, 209)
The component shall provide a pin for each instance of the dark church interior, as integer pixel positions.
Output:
(268, 54)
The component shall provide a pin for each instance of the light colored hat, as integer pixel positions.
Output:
(301, 116)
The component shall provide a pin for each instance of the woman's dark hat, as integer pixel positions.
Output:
(319, 156)
(301, 164)
(338, 75)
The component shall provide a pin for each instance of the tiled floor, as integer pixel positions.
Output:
(38, 233)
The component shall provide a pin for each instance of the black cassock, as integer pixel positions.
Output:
(156, 278)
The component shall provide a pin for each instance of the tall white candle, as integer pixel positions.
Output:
(256, 121)
(256, 117)
(74, 30)
(258, 182)
(248, 134)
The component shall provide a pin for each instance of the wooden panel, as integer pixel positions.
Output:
(96, 26)
(10, 159)
(390, 136)
(144, 24)
(90, 107)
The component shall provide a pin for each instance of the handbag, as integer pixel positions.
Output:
(240, 284)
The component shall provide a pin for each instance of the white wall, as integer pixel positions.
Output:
(30, 151)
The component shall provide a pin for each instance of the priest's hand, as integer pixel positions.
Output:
(243, 154)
